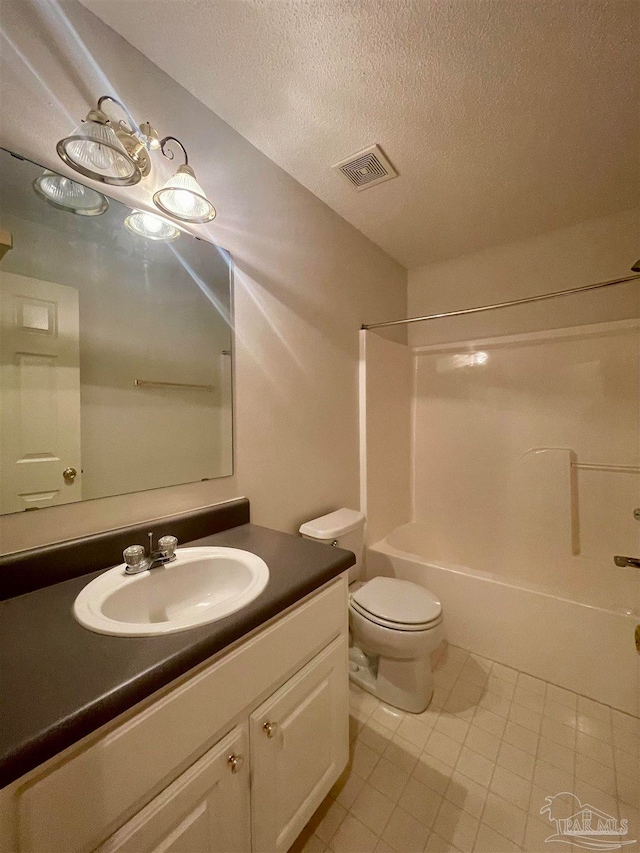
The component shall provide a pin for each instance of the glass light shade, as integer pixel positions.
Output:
(66, 194)
(151, 227)
(183, 198)
(94, 150)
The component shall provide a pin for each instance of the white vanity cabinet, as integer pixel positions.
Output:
(298, 739)
(233, 758)
(206, 810)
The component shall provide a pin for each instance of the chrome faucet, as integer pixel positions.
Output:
(137, 561)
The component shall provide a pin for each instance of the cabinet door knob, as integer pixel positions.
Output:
(270, 728)
(235, 762)
(69, 474)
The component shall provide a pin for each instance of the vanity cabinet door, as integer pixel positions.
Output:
(299, 747)
(206, 810)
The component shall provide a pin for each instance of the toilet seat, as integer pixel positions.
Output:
(397, 604)
(395, 626)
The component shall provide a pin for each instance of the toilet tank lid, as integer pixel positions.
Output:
(333, 525)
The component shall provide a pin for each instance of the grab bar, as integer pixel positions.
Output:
(596, 466)
(148, 383)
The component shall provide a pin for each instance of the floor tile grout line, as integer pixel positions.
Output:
(495, 765)
(529, 815)
(395, 804)
(424, 749)
(444, 794)
(479, 819)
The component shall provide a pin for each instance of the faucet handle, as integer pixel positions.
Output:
(135, 558)
(167, 546)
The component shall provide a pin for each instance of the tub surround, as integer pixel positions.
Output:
(61, 681)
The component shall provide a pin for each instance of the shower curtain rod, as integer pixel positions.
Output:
(522, 301)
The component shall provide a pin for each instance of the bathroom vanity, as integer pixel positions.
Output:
(233, 754)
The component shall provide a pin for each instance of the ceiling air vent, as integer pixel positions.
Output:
(366, 168)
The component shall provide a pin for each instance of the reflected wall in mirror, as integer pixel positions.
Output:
(115, 349)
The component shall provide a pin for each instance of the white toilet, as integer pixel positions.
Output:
(395, 624)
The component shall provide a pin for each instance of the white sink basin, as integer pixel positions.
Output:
(200, 586)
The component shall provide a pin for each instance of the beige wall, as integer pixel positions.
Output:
(569, 257)
(305, 279)
(386, 392)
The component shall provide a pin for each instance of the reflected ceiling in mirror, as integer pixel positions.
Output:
(115, 346)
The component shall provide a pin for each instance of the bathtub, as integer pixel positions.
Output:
(544, 632)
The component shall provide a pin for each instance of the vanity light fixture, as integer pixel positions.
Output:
(121, 157)
(97, 151)
(151, 227)
(68, 195)
(182, 196)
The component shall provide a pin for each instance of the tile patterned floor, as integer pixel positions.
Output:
(472, 772)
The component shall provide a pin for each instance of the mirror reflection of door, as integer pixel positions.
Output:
(39, 394)
(141, 382)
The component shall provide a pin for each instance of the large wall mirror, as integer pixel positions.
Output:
(115, 369)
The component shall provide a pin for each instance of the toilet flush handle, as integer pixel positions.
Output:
(633, 562)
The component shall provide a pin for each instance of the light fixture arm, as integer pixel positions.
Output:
(168, 153)
(133, 126)
(137, 139)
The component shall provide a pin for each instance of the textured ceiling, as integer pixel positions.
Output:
(504, 118)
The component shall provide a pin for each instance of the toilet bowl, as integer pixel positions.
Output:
(395, 624)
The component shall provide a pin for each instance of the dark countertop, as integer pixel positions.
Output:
(59, 681)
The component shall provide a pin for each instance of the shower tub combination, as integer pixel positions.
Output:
(578, 645)
(518, 516)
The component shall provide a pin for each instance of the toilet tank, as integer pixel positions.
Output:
(345, 527)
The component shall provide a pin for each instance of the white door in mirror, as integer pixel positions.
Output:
(39, 394)
(202, 585)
